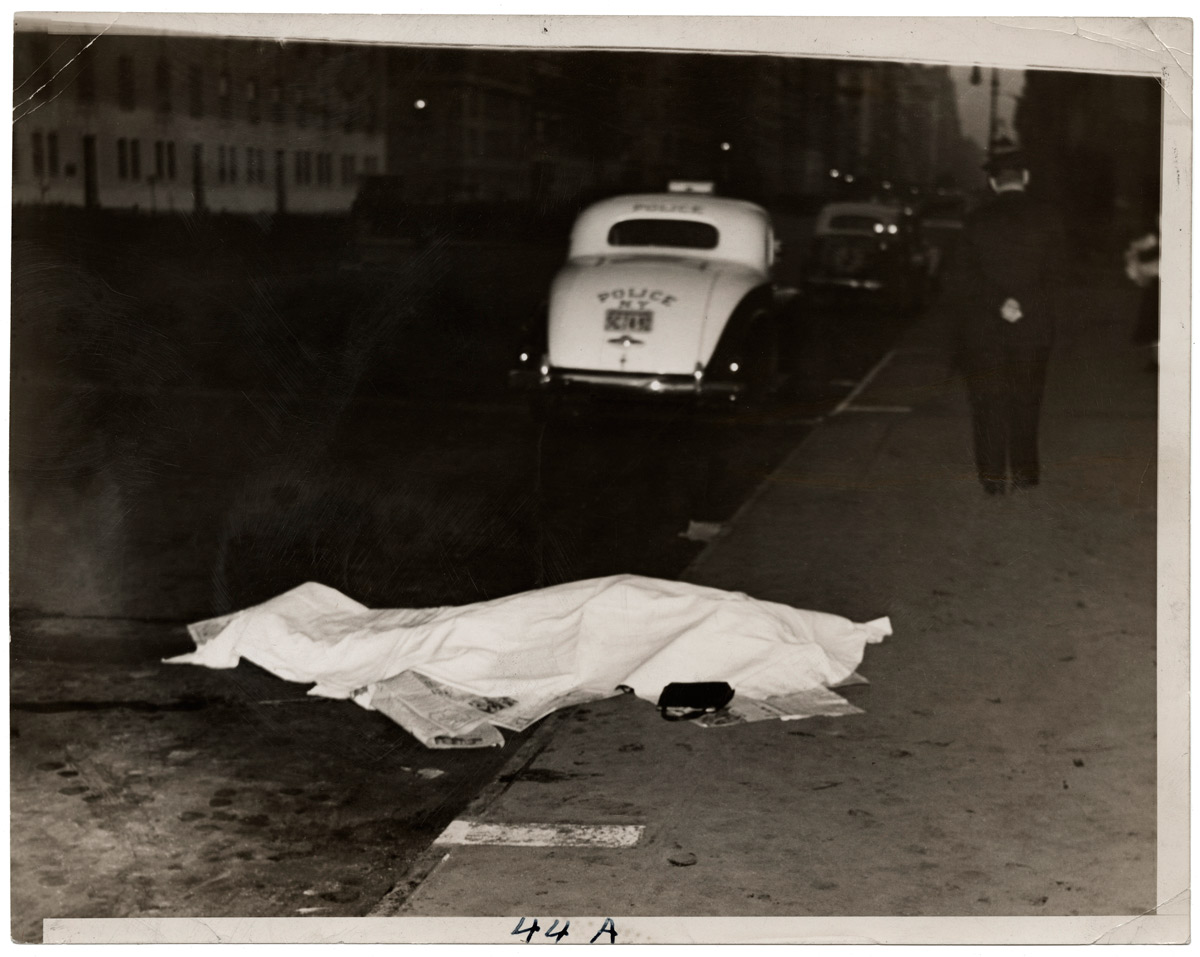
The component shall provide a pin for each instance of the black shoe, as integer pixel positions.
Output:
(993, 486)
(1024, 483)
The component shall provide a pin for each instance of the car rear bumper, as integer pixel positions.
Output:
(632, 384)
(845, 282)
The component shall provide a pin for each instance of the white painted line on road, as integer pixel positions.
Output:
(866, 381)
(541, 835)
(877, 408)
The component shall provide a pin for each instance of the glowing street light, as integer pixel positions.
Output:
(419, 104)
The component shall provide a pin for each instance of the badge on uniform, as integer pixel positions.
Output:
(1011, 310)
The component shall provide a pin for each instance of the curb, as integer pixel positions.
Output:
(423, 866)
(752, 499)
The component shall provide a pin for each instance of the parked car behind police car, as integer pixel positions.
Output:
(663, 294)
(871, 250)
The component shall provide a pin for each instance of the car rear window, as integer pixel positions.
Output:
(677, 233)
(864, 223)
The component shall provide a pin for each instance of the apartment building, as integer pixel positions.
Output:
(166, 123)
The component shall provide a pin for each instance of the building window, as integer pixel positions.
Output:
(52, 153)
(162, 84)
(232, 165)
(220, 164)
(122, 159)
(196, 91)
(370, 165)
(126, 98)
(39, 155)
(85, 82)
(277, 110)
(40, 50)
(171, 159)
(324, 169)
(135, 159)
(160, 160)
(349, 172)
(303, 168)
(224, 106)
(252, 106)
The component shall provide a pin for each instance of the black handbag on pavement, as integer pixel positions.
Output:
(683, 700)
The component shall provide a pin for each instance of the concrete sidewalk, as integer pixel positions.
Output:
(1006, 762)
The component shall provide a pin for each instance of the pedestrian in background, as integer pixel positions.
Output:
(1001, 297)
(1141, 266)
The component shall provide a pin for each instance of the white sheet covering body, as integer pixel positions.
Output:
(582, 637)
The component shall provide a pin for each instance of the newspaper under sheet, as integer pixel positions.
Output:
(440, 716)
(810, 703)
(453, 676)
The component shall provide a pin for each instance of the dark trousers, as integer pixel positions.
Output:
(1006, 402)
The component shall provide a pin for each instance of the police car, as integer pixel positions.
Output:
(663, 295)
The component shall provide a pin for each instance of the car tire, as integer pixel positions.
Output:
(762, 376)
(545, 407)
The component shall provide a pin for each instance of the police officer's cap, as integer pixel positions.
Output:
(1005, 155)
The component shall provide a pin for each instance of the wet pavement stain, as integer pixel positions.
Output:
(543, 776)
(61, 707)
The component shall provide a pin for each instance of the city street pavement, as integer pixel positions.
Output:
(1005, 763)
(1006, 760)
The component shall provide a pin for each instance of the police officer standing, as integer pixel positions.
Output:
(1001, 294)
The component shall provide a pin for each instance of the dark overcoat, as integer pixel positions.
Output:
(1010, 249)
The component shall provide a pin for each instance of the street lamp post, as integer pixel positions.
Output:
(976, 79)
(992, 111)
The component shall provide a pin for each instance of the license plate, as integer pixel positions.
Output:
(628, 320)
